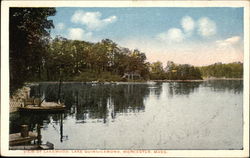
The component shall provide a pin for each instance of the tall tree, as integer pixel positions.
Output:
(28, 32)
(157, 71)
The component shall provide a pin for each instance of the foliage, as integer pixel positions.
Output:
(157, 71)
(89, 76)
(182, 72)
(85, 61)
(29, 32)
(219, 70)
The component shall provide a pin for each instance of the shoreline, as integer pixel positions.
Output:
(114, 82)
(223, 79)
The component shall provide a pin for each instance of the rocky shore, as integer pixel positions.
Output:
(16, 100)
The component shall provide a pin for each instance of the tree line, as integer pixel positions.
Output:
(219, 70)
(35, 56)
(175, 71)
(85, 61)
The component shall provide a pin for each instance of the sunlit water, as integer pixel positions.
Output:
(169, 115)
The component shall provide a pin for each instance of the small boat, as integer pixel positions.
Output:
(45, 107)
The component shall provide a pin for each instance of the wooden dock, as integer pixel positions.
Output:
(47, 146)
(22, 140)
(45, 107)
(16, 138)
(24, 147)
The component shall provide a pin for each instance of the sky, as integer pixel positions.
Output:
(197, 36)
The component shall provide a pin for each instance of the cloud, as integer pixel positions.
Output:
(76, 33)
(176, 45)
(60, 26)
(79, 34)
(228, 42)
(206, 27)
(172, 35)
(198, 53)
(188, 24)
(92, 20)
(233, 40)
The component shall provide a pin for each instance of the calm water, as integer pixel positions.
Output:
(169, 115)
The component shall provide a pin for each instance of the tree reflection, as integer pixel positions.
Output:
(31, 119)
(225, 85)
(182, 88)
(156, 89)
(186, 88)
(129, 97)
(96, 101)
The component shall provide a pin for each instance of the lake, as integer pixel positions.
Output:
(150, 115)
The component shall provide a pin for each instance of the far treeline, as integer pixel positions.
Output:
(34, 56)
(188, 72)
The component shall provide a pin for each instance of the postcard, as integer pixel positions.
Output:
(125, 78)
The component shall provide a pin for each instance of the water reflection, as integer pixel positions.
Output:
(132, 112)
(156, 89)
(33, 120)
(96, 101)
(103, 101)
(30, 119)
(182, 88)
(186, 88)
(225, 85)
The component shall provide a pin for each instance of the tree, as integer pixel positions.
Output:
(29, 37)
(136, 63)
(230, 70)
(157, 71)
(182, 72)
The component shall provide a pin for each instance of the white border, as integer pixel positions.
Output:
(170, 153)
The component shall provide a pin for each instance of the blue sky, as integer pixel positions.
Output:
(198, 36)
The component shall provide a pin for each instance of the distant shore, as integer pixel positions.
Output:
(135, 81)
(211, 78)
(205, 79)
